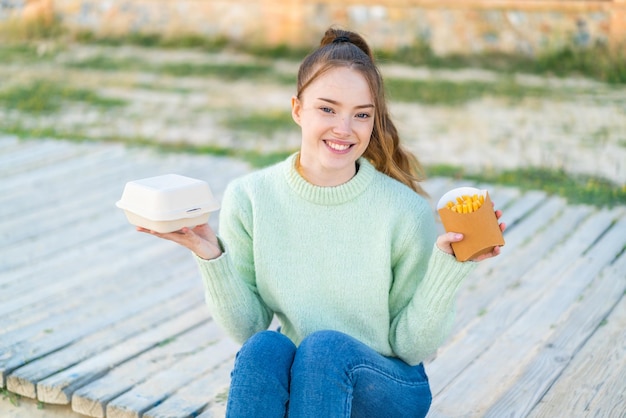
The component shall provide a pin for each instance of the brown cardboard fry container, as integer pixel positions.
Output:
(480, 229)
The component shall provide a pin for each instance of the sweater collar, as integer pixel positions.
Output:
(329, 195)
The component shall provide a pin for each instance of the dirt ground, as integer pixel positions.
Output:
(578, 126)
(29, 408)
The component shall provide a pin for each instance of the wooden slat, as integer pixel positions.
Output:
(191, 399)
(585, 316)
(70, 275)
(152, 392)
(65, 214)
(477, 330)
(526, 204)
(91, 290)
(523, 339)
(46, 152)
(517, 256)
(58, 389)
(91, 157)
(92, 399)
(59, 331)
(23, 380)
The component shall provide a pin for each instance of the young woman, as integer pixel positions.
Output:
(338, 243)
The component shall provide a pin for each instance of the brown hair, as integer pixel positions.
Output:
(341, 48)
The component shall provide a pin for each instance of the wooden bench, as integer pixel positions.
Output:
(110, 322)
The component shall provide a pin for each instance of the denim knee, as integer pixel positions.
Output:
(260, 379)
(270, 346)
(328, 342)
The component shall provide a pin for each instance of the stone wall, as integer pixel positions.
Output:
(446, 25)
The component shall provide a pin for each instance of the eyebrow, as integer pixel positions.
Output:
(364, 106)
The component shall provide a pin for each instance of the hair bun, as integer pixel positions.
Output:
(341, 39)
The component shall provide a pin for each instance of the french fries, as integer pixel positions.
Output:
(466, 203)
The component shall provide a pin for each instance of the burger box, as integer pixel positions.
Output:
(167, 203)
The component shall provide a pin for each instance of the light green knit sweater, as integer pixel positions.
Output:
(356, 258)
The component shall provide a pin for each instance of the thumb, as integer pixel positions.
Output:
(444, 241)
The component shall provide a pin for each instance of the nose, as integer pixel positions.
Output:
(343, 127)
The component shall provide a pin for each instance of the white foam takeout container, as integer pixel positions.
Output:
(167, 203)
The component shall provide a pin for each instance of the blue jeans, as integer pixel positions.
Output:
(330, 375)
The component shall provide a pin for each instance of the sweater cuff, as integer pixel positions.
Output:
(446, 274)
(219, 278)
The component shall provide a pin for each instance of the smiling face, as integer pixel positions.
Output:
(336, 114)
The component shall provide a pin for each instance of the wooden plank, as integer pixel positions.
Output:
(71, 275)
(97, 157)
(30, 150)
(592, 385)
(480, 329)
(198, 395)
(122, 243)
(521, 342)
(91, 291)
(23, 381)
(47, 152)
(8, 142)
(518, 256)
(62, 215)
(148, 394)
(92, 399)
(437, 186)
(84, 280)
(92, 317)
(58, 389)
(216, 409)
(28, 194)
(50, 245)
(526, 204)
(586, 315)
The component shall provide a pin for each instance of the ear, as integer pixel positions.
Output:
(296, 109)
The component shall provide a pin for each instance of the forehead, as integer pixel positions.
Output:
(342, 84)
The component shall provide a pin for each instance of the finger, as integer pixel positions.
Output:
(449, 237)
(493, 253)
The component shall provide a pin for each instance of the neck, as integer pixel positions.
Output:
(324, 178)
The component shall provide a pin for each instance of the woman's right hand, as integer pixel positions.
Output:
(200, 239)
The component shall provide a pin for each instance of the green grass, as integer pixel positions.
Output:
(405, 90)
(45, 96)
(154, 40)
(575, 188)
(262, 123)
(437, 92)
(597, 62)
(23, 53)
(14, 398)
(225, 71)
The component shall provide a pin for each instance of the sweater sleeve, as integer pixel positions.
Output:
(229, 280)
(423, 297)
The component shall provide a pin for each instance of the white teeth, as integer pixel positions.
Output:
(337, 147)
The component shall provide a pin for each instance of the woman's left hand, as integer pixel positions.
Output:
(444, 241)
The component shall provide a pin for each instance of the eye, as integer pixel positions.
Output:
(326, 109)
(362, 115)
